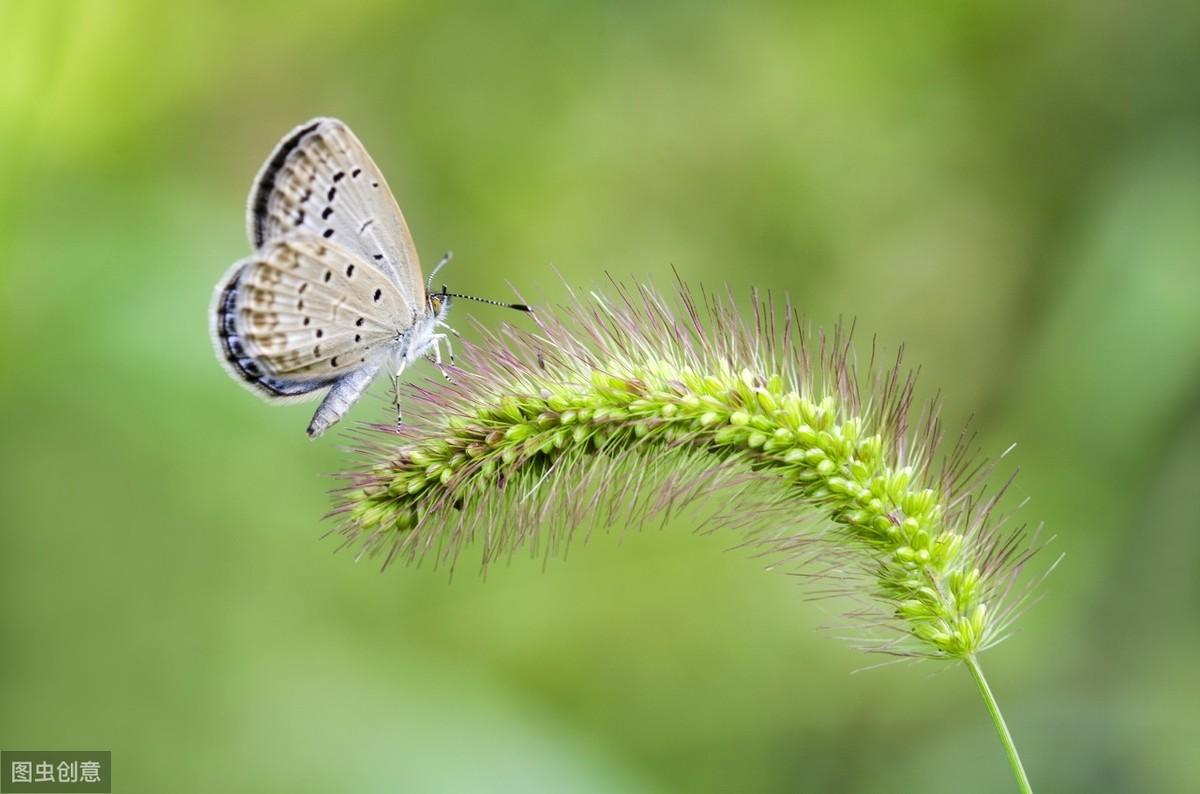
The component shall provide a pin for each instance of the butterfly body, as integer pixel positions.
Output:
(333, 292)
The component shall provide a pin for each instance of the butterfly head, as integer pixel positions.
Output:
(439, 303)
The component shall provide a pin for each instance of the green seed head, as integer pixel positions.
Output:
(648, 408)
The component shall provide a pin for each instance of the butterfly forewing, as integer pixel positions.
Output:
(321, 179)
(308, 309)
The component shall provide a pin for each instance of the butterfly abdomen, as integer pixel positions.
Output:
(341, 397)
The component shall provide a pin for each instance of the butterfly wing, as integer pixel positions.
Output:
(321, 179)
(303, 313)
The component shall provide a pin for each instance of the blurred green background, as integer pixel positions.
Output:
(1011, 189)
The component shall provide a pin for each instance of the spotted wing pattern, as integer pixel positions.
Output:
(304, 312)
(321, 179)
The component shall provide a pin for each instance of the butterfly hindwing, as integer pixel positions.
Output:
(303, 312)
(321, 179)
(231, 348)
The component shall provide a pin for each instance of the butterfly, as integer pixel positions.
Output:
(333, 292)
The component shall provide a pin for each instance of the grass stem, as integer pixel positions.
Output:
(998, 720)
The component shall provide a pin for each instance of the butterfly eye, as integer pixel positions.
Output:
(435, 303)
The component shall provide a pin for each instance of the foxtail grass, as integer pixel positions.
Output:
(625, 408)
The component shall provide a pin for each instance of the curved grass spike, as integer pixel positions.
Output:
(625, 408)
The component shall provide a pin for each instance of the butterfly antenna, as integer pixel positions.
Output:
(521, 307)
(445, 260)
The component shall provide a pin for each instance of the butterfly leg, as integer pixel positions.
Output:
(446, 339)
(396, 399)
(434, 356)
(432, 359)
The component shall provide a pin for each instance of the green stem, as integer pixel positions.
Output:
(998, 720)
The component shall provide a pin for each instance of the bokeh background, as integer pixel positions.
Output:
(1011, 189)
